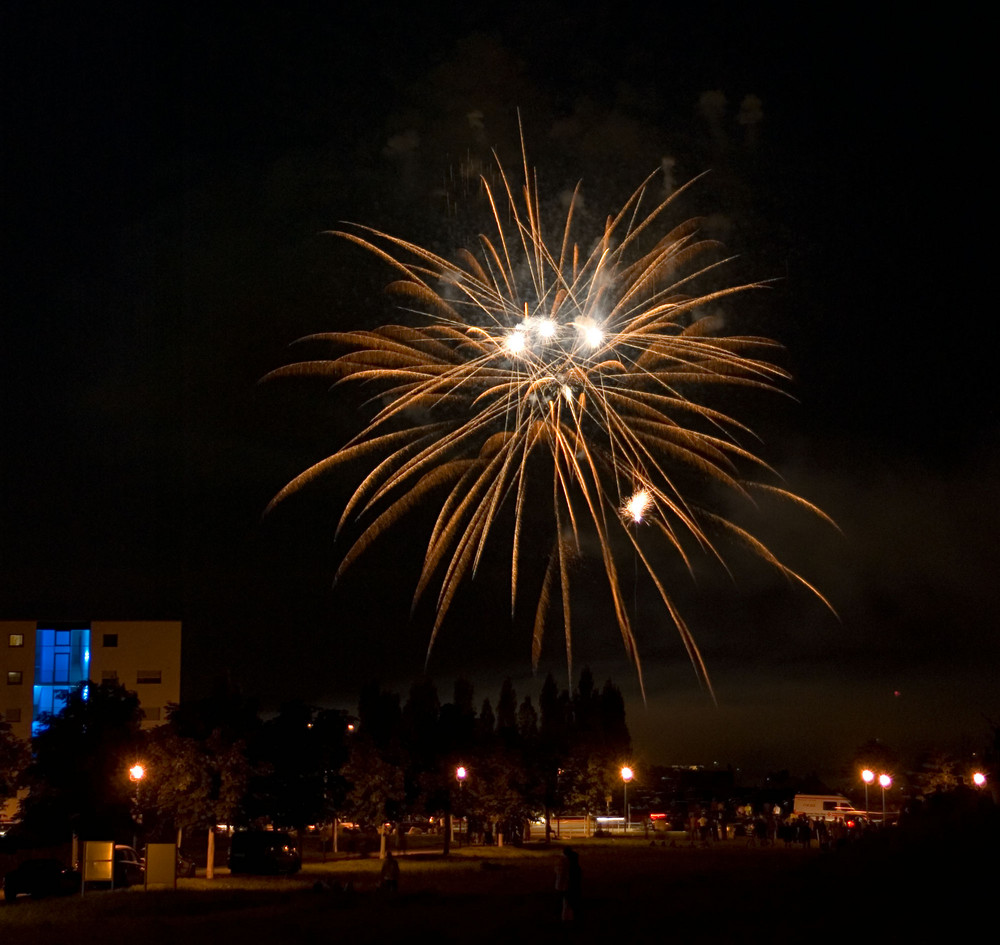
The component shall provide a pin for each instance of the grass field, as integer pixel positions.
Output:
(727, 893)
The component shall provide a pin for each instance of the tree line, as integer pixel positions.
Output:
(216, 760)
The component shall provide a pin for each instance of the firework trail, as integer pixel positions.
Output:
(540, 374)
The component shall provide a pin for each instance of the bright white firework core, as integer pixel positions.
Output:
(636, 506)
(514, 342)
(593, 335)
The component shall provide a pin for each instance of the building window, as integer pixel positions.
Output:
(12, 715)
(110, 639)
(109, 675)
(16, 639)
(62, 661)
(152, 715)
(148, 676)
(15, 677)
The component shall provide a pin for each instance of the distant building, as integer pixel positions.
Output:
(40, 661)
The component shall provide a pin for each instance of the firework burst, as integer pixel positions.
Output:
(542, 375)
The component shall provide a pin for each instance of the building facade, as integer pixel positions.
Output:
(40, 661)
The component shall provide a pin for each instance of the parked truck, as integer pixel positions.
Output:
(825, 806)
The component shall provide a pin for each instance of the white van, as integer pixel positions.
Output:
(825, 807)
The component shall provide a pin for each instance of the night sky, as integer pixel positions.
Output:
(168, 171)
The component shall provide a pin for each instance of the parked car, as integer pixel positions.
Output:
(129, 869)
(263, 851)
(38, 878)
(185, 866)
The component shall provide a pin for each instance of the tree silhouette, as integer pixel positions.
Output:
(14, 758)
(297, 757)
(200, 769)
(78, 778)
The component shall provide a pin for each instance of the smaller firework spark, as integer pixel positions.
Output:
(638, 505)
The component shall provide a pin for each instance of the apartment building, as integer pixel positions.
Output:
(42, 660)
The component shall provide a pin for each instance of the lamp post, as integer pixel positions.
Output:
(884, 782)
(627, 775)
(867, 776)
(461, 773)
(135, 774)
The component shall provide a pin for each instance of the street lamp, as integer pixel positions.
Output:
(979, 779)
(627, 775)
(135, 774)
(461, 773)
(867, 776)
(884, 782)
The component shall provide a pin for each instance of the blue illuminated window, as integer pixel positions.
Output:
(62, 661)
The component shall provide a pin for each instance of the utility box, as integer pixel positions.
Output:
(98, 862)
(161, 864)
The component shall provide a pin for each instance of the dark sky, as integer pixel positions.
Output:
(168, 171)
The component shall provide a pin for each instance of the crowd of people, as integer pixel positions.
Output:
(764, 827)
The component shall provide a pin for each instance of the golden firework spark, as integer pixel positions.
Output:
(539, 370)
(637, 505)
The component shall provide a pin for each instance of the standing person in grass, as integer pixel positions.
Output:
(569, 883)
(390, 873)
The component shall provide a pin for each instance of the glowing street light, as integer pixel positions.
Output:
(627, 775)
(135, 774)
(979, 779)
(867, 776)
(461, 773)
(885, 782)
